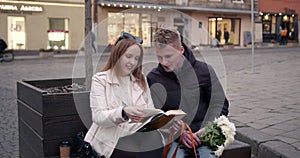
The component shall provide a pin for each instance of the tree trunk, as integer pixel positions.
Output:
(88, 44)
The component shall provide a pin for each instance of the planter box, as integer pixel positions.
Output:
(46, 54)
(47, 119)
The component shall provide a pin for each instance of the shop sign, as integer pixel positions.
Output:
(20, 8)
(289, 11)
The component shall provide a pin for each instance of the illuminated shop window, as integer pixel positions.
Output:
(118, 22)
(217, 27)
(267, 23)
(16, 32)
(136, 24)
(58, 33)
(237, 1)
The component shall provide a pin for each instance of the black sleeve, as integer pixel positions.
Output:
(218, 104)
(218, 97)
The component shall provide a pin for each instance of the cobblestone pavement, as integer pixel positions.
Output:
(267, 100)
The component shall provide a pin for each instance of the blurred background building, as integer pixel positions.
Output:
(274, 14)
(199, 21)
(59, 24)
(42, 24)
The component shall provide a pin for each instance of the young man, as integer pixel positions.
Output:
(182, 82)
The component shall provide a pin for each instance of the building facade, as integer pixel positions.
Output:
(280, 15)
(59, 24)
(199, 21)
(32, 25)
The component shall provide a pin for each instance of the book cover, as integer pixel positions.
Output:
(156, 118)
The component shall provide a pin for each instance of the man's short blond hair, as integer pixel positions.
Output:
(166, 36)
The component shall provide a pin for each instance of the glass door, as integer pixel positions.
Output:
(16, 32)
(224, 30)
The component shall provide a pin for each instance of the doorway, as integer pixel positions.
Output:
(218, 27)
(16, 37)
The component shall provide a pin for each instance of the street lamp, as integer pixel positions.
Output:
(252, 35)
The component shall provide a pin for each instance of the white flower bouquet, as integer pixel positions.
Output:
(218, 135)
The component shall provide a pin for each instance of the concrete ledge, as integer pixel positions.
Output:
(277, 149)
(265, 146)
(253, 137)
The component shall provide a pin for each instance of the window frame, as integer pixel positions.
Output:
(237, 1)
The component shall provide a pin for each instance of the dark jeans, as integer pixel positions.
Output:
(283, 40)
(226, 40)
(139, 145)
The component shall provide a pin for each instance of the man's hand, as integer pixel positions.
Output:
(187, 140)
(136, 114)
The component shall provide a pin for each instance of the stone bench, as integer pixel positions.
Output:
(237, 149)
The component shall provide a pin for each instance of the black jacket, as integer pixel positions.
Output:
(194, 88)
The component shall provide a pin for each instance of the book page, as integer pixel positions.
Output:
(152, 112)
(175, 112)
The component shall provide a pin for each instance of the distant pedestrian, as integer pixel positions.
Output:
(226, 35)
(214, 43)
(284, 36)
(219, 34)
(3, 45)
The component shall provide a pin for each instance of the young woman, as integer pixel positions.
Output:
(119, 93)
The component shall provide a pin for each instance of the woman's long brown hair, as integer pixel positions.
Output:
(117, 51)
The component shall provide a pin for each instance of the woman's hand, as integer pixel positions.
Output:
(176, 125)
(136, 114)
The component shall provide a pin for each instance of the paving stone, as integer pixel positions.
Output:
(293, 134)
(286, 139)
(297, 145)
(273, 132)
(284, 127)
(257, 125)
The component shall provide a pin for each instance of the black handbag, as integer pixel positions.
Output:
(84, 149)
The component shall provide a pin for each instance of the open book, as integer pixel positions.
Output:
(156, 118)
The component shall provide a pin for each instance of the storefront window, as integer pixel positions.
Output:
(58, 34)
(292, 28)
(218, 26)
(118, 22)
(16, 32)
(131, 23)
(267, 24)
(146, 29)
(134, 23)
(273, 27)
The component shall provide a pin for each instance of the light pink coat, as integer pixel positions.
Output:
(108, 125)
